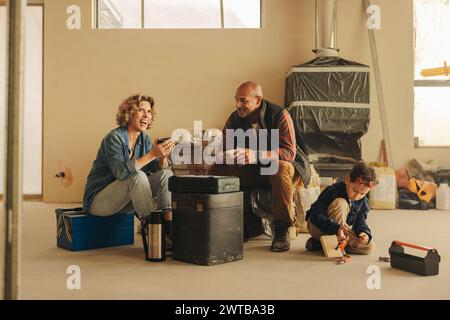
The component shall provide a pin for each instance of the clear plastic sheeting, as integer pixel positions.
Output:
(329, 101)
(261, 203)
(257, 213)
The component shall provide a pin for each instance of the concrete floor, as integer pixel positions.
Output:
(122, 273)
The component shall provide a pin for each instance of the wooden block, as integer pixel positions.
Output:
(329, 245)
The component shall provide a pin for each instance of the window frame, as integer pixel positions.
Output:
(222, 19)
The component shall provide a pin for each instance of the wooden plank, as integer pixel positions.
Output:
(380, 94)
(329, 245)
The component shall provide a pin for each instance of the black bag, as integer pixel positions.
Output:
(258, 213)
(442, 176)
(410, 200)
(203, 184)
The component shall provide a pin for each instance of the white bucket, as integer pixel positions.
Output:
(443, 197)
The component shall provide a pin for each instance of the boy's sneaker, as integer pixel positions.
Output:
(313, 245)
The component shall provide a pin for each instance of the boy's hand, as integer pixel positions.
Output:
(363, 238)
(341, 235)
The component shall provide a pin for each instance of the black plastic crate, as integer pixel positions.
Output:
(207, 228)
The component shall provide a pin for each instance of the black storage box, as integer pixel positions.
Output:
(207, 228)
(426, 266)
(203, 184)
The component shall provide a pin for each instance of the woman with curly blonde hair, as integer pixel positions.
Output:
(130, 171)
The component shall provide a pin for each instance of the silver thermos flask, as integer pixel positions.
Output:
(154, 238)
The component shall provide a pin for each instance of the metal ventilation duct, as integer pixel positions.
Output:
(326, 15)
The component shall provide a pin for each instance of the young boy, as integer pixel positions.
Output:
(342, 209)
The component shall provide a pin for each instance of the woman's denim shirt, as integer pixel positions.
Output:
(113, 162)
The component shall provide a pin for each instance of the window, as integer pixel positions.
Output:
(431, 94)
(178, 14)
(242, 13)
(182, 14)
(32, 134)
(119, 14)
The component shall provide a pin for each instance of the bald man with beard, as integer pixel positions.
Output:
(253, 112)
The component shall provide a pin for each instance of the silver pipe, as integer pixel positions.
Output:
(326, 16)
(335, 26)
(317, 25)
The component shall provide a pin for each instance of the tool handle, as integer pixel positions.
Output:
(405, 244)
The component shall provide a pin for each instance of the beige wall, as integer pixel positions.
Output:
(192, 75)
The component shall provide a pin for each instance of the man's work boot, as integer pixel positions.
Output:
(313, 245)
(281, 240)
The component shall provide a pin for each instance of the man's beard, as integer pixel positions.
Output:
(243, 112)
